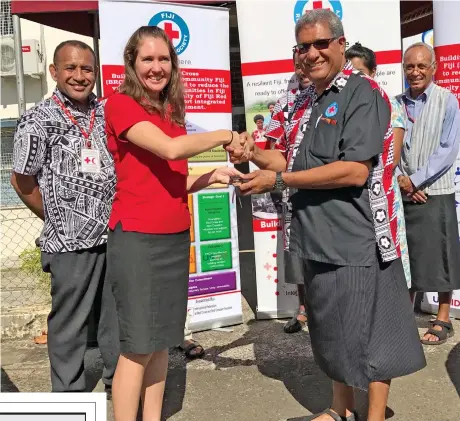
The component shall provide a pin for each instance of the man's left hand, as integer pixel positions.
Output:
(260, 181)
(418, 196)
(405, 184)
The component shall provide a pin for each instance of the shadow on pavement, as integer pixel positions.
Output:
(287, 358)
(6, 384)
(283, 357)
(453, 367)
(248, 280)
(175, 387)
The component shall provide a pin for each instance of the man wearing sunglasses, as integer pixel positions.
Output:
(426, 177)
(343, 231)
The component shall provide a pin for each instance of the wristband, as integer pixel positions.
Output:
(231, 140)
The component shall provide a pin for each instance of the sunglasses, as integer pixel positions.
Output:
(319, 44)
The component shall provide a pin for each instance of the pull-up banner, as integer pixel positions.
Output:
(200, 36)
(267, 68)
(447, 48)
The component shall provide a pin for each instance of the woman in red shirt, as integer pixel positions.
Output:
(149, 239)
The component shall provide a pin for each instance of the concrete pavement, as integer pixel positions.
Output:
(258, 373)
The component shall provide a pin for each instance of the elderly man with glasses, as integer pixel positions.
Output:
(426, 178)
(343, 239)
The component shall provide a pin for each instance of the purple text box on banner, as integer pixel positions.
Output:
(212, 284)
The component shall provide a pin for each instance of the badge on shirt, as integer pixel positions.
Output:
(90, 161)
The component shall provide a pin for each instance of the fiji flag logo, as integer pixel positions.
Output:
(332, 110)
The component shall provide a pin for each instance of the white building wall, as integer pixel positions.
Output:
(35, 89)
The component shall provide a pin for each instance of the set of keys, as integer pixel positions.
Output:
(236, 180)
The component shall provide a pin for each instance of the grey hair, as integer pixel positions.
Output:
(312, 17)
(422, 44)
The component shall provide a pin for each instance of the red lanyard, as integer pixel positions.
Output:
(408, 115)
(85, 134)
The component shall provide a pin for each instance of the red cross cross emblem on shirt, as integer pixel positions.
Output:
(331, 110)
(170, 32)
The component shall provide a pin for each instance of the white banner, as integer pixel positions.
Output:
(447, 47)
(214, 286)
(267, 67)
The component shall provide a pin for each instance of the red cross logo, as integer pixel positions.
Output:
(87, 160)
(318, 5)
(170, 32)
(331, 110)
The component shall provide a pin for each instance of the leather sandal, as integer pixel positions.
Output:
(333, 415)
(295, 325)
(445, 333)
(188, 350)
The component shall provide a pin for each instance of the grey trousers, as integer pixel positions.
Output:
(77, 281)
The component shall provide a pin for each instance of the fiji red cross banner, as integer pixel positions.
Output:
(267, 68)
(447, 48)
(200, 36)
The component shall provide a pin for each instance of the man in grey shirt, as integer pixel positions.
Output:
(343, 232)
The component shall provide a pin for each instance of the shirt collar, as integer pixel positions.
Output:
(68, 103)
(423, 96)
(341, 78)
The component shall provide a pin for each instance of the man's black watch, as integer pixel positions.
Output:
(279, 185)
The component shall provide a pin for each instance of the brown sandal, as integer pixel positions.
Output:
(188, 350)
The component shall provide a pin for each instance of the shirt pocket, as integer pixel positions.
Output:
(325, 143)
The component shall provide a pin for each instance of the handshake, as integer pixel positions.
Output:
(241, 149)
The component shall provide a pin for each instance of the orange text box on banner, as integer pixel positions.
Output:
(192, 218)
(192, 261)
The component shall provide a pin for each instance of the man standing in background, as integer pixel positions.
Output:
(426, 178)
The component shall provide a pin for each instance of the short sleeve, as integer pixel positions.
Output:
(365, 124)
(122, 112)
(397, 115)
(29, 149)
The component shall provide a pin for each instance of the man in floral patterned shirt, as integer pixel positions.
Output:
(64, 174)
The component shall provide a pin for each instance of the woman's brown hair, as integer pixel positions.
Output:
(171, 104)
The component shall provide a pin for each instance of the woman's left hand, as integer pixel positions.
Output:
(222, 175)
